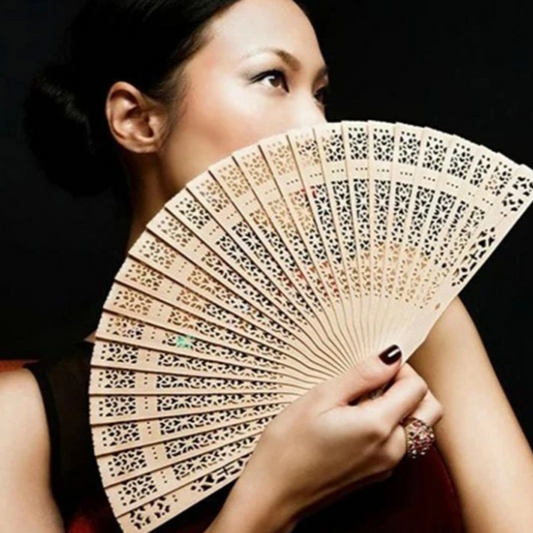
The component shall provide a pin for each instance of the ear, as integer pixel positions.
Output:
(135, 120)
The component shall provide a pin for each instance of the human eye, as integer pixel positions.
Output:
(273, 73)
(323, 95)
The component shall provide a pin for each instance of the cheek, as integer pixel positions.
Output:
(219, 118)
(231, 112)
(234, 116)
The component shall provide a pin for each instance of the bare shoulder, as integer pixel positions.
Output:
(19, 390)
(23, 424)
(25, 457)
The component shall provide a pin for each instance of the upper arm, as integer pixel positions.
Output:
(481, 440)
(26, 501)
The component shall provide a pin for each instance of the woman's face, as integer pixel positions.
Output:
(232, 100)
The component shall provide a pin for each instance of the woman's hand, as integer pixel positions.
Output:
(325, 444)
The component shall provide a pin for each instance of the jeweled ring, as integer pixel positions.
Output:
(420, 437)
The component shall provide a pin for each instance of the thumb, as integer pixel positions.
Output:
(366, 376)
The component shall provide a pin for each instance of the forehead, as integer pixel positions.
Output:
(250, 25)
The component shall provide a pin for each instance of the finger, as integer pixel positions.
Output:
(429, 410)
(400, 399)
(405, 370)
(397, 444)
(366, 376)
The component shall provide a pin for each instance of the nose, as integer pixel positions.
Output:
(307, 113)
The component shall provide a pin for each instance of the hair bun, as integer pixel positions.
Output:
(59, 132)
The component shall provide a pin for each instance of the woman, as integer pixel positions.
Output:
(150, 94)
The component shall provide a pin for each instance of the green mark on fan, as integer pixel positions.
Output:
(184, 341)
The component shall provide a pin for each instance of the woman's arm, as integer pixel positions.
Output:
(244, 512)
(26, 500)
(487, 453)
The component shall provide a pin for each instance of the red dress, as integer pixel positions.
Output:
(419, 497)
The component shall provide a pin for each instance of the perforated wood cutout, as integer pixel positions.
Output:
(279, 267)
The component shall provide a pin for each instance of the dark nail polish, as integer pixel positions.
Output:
(391, 355)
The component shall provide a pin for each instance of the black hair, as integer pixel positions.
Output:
(143, 42)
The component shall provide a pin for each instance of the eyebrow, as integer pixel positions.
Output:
(288, 58)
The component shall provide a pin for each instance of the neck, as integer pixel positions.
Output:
(148, 198)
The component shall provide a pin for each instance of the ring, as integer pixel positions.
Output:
(419, 436)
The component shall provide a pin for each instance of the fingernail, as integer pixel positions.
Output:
(391, 355)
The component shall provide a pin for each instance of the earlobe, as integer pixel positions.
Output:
(135, 121)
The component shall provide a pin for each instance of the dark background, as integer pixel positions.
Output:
(463, 68)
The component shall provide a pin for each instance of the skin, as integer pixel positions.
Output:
(225, 110)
